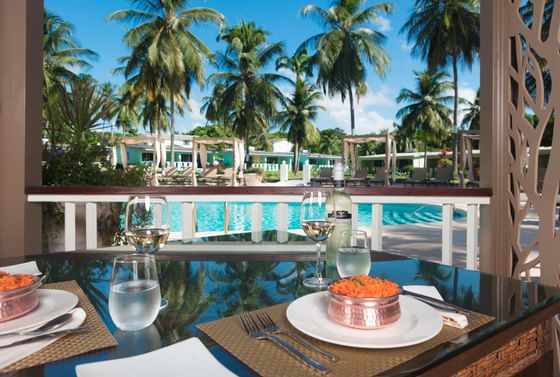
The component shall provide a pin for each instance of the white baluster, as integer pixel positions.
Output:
(189, 218)
(91, 225)
(447, 234)
(69, 226)
(282, 221)
(472, 235)
(256, 217)
(355, 216)
(376, 226)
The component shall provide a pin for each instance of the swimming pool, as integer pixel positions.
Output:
(210, 215)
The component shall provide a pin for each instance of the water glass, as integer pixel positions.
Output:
(134, 297)
(353, 257)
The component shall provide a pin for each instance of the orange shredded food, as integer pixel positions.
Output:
(14, 281)
(365, 286)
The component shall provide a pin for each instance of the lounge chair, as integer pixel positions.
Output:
(443, 176)
(418, 176)
(324, 179)
(209, 176)
(168, 176)
(185, 178)
(379, 178)
(359, 178)
(252, 179)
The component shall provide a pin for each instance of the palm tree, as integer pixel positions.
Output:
(162, 38)
(471, 120)
(347, 45)
(331, 141)
(249, 97)
(296, 118)
(61, 52)
(300, 63)
(110, 103)
(81, 107)
(426, 114)
(445, 32)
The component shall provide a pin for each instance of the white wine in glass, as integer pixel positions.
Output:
(317, 226)
(147, 223)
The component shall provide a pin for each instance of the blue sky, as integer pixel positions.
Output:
(376, 110)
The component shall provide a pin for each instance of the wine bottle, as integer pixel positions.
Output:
(342, 214)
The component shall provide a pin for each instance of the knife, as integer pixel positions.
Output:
(436, 303)
(46, 336)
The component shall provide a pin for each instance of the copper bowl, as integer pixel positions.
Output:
(17, 302)
(364, 312)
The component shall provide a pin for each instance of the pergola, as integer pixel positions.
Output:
(349, 144)
(200, 144)
(159, 152)
(467, 154)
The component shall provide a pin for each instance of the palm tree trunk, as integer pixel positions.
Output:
(425, 154)
(296, 158)
(455, 111)
(351, 97)
(172, 130)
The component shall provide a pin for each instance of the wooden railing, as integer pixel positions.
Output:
(448, 198)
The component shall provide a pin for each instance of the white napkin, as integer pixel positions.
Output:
(451, 319)
(187, 358)
(22, 268)
(10, 355)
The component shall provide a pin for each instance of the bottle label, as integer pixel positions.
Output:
(342, 217)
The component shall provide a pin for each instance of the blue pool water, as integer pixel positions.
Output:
(210, 216)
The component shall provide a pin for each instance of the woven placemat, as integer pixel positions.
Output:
(267, 359)
(74, 344)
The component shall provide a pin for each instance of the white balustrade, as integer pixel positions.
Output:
(188, 202)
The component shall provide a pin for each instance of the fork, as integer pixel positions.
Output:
(254, 331)
(269, 325)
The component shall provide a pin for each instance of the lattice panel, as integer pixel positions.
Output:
(533, 181)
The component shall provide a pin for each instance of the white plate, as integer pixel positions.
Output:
(418, 323)
(52, 302)
(186, 358)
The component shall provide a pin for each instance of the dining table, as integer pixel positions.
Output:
(217, 277)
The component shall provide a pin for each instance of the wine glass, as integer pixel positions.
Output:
(353, 257)
(317, 226)
(147, 223)
(134, 297)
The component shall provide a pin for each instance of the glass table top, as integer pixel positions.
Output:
(207, 289)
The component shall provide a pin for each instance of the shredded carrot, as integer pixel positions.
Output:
(14, 281)
(365, 286)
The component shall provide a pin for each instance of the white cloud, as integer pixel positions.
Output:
(194, 114)
(367, 119)
(384, 24)
(465, 92)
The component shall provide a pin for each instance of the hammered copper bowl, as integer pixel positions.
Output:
(17, 302)
(364, 313)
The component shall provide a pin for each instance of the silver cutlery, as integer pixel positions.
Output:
(269, 325)
(436, 303)
(47, 335)
(254, 331)
(52, 324)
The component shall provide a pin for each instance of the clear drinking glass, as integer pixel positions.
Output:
(134, 297)
(353, 257)
(318, 227)
(147, 223)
